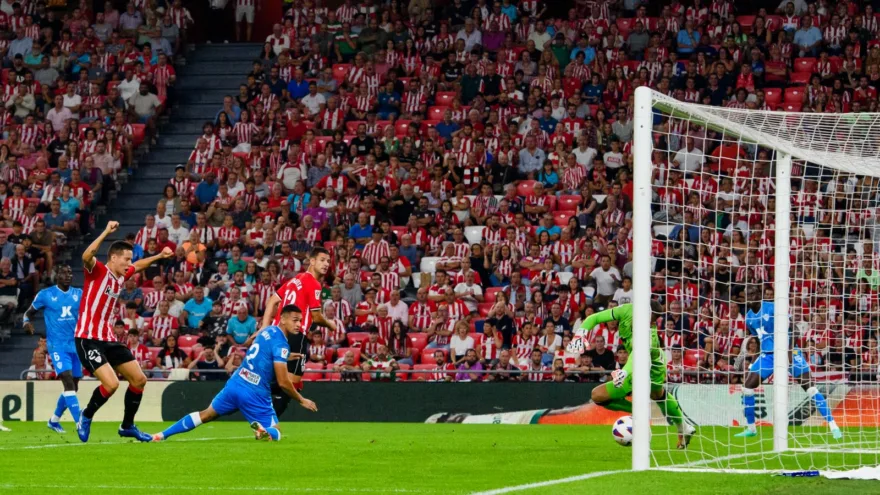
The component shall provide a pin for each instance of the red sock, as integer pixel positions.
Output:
(104, 393)
(135, 390)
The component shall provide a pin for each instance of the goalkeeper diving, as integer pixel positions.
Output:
(612, 395)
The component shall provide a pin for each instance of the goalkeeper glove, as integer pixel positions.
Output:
(617, 377)
(576, 346)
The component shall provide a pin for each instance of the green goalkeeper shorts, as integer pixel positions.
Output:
(658, 377)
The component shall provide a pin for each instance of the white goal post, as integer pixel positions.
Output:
(819, 169)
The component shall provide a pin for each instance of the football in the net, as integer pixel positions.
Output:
(623, 430)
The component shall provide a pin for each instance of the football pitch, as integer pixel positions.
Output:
(371, 458)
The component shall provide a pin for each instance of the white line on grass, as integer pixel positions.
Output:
(216, 488)
(542, 484)
(75, 444)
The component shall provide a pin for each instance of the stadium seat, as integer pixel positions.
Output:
(525, 188)
(773, 96)
(474, 234)
(415, 354)
(478, 339)
(399, 231)
(804, 64)
(564, 277)
(690, 358)
(791, 107)
(436, 113)
(332, 377)
(444, 98)
(355, 338)
(418, 340)
(351, 126)
(340, 71)
(340, 352)
(187, 340)
(429, 264)
(154, 352)
(313, 377)
(428, 124)
(568, 203)
(490, 293)
(403, 376)
(382, 124)
(329, 354)
(322, 141)
(138, 134)
(746, 22)
(423, 368)
(428, 355)
(794, 95)
(800, 77)
(561, 217)
(484, 308)
(401, 127)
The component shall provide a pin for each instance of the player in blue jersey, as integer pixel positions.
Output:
(60, 305)
(249, 390)
(760, 322)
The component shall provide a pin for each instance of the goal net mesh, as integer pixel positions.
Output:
(713, 212)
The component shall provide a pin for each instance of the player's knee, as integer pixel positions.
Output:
(68, 382)
(139, 381)
(748, 391)
(111, 387)
(812, 391)
(598, 395)
(658, 394)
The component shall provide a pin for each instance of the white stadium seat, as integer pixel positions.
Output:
(474, 235)
(429, 264)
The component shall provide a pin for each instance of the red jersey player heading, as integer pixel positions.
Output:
(304, 291)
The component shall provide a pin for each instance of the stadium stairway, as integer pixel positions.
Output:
(210, 73)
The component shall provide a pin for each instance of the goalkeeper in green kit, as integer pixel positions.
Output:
(612, 395)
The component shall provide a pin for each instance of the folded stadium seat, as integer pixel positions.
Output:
(348, 137)
(332, 377)
(405, 81)
(308, 124)
(794, 95)
(625, 25)
(428, 124)
(340, 71)
(444, 99)
(774, 22)
(382, 124)
(415, 355)
(187, 340)
(746, 22)
(340, 352)
(355, 338)
(490, 293)
(148, 322)
(568, 203)
(418, 340)
(4, 76)
(322, 142)
(351, 127)
(436, 113)
(154, 352)
(836, 63)
(111, 85)
(313, 377)
(690, 358)
(428, 355)
(424, 370)
(773, 96)
(138, 134)
(429, 264)
(403, 376)
(564, 277)
(800, 77)
(791, 107)
(478, 339)
(561, 217)
(401, 127)
(525, 188)
(484, 307)
(189, 351)
(474, 234)
(399, 231)
(804, 64)
(330, 246)
(382, 70)
(329, 354)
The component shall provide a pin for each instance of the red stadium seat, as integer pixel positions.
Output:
(382, 124)
(357, 353)
(418, 340)
(690, 358)
(561, 217)
(625, 24)
(424, 371)
(436, 113)
(772, 96)
(490, 294)
(484, 308)
(351, 127)
(804, 64)
(427, 124)
(340, 71)
(794, 95)
(313, 377)
(746, 22)
(401, 127)
(402, 377)
(791, 107)
(322, 142)
(187, 340)
(330, 246)
(355, 338)
(333, 377)
(800, 77)
(329, 354)
(428, 355)
(154, 352)
(399, 231)
(139, 133)
(444, 98)
(568, 203)
(478, 339)
(525, 188)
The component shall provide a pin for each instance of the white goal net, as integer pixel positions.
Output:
(739, 210)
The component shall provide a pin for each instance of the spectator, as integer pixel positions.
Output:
(241, 326)
(600, 355)
(469, 368)
(208, 363)
(171, 356)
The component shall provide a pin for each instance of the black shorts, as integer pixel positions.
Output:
(299, 344)
(96, 353)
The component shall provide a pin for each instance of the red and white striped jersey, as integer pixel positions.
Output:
(536, 373)
(145, 234)
(244, 131)
(331, 119)
(413, 100)
(163, 326)
(373, 251)
(181, 186)
(419, 316)
(524, 346)
(100, 299)
(230, 306)
(390, 280)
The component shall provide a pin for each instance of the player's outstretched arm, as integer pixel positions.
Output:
(597, 318)
(88, 256)
(283, 379)
(141, 265)
(269, 312)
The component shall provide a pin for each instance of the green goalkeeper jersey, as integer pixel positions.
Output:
(623, 315)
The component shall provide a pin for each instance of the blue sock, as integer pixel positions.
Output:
(60, 407)
(185, 424)
(72, 404)
(274, 433)
(749, 403)
(821, 403)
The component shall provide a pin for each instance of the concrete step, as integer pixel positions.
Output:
(203, 82)
(217, 68)
(165, 155)
(178, 141)
(179, 126)
(225, 52)
(164, 171)
(200, 112)
(210, 95)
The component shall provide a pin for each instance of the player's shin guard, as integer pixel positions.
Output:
(132, 403)
(821, 405)
(60, 407)
(274, 433)
(99, 397)
(670, 408)
(72, 403)
(184, 425)
(749, 406)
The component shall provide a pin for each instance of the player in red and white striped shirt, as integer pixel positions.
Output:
(96, 343)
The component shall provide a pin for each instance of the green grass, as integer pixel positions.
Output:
(375, 458)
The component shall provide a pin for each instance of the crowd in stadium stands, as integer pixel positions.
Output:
(80, 92)
(470, 169)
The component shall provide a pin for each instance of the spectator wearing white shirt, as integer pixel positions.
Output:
(584, 153)
(177, 232)
(540, 36)
(314, 101)
(279, 41)
(397, 309)
(690, 159)
(72, 101)
(469, 292)
(128, 86)
(460, 342)
(59, 114)
(624, 294)
(470, 34)
(607, 279)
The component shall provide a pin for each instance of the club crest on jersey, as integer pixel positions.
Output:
(318, 295)
(111, 293)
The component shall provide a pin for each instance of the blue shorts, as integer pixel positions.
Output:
(764, 365)
(254, 406)
(65, 360)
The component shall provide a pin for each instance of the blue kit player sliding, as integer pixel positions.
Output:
(760, 322)
(60, 305)
(249, 390)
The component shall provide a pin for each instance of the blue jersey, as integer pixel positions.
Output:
(257, 371)
(761, 324)
(60, 310)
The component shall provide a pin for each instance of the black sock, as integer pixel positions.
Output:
(99, 398)
(280, 403)
(132, 404)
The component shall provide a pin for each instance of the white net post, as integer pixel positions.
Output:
(781, 283)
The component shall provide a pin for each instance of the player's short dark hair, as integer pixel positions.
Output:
(290, 308)
(134, 331)
(119, 247)
(318, 250)
(118, 323)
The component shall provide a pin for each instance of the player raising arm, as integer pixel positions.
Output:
(96, 343)
(249, 388)
(612, 395)
(60, 305)
(303, 291)
(761, 322)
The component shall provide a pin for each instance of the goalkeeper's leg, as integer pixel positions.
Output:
(614, 398)
(800, 370)
(668, 404)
